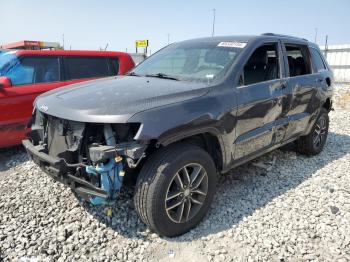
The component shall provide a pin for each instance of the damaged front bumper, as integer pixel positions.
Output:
(60, 170)
(87, 158)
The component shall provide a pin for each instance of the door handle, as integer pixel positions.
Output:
(277, 86)
(282, 86)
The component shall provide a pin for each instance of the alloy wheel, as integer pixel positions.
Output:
(320, 132)
(186, 193)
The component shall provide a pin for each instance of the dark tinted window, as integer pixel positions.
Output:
(317, 60)
(262, 65)
(114, 66)
(297, 61)
(86, 67)
(32, 70)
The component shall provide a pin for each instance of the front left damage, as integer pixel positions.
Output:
(91, 158)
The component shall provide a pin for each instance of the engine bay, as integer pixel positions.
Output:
(92, 158)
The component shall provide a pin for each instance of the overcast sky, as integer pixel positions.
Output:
(92, 24)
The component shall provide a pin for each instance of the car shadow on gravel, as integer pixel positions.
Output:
(240, 193)
(12, 156)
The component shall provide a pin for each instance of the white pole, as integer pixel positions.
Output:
(213, 32)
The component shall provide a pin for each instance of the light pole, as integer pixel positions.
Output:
(214, 11)
(316, 35)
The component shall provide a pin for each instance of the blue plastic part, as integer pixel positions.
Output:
(110, 180)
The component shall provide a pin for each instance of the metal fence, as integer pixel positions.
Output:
(338, 57)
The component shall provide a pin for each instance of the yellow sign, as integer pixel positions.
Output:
(141, 43)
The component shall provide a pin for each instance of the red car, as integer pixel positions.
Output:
(25, 74)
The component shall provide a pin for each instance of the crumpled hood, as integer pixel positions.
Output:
(115, 99)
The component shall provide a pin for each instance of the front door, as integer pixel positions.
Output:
(259, 101)
(30, 77)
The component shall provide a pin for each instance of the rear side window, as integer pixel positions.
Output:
(34, 70)
(297, 60)
(114, 65)
(86, 67)
(317, 60)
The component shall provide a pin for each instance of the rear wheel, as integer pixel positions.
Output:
(175, 189)
(313, 143)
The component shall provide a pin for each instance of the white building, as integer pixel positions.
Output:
(338, 57)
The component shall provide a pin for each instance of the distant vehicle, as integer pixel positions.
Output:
(184, 116)
(25, 74)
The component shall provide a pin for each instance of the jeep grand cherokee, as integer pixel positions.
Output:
(183, 117)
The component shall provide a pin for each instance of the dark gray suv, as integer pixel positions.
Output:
(183, 117)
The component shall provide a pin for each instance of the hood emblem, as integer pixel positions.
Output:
(44, 108)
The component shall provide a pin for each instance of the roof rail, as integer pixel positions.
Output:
(281, 35)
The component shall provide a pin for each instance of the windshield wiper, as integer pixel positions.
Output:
(162, 75)
(132, 74)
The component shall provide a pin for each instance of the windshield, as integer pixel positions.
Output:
(7, 60)
(191, 61)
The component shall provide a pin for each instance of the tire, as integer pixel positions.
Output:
(159, 180)
(313, 143)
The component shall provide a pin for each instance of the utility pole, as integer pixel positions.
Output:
(326, 47)
(63, 41)
(213, 32)
(168, 39)
(316, 35)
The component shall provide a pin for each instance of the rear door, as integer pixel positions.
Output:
(300, 93)
(259, 99)
(30, 76)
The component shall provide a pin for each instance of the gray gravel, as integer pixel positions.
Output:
(281, 207)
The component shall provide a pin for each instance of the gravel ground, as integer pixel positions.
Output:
(280, 207)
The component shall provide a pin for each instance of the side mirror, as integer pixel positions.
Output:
(5, 82)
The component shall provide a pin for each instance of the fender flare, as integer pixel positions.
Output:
(167, 139)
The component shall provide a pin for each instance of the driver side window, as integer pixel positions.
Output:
(262, 66)
(34, 70)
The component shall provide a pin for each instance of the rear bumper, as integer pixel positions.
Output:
(61, 171)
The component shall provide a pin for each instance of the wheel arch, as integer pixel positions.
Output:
(208, 139)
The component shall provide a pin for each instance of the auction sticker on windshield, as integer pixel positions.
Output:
(232, 44)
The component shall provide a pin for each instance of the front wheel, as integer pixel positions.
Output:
(175, 189)
(313, 143)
